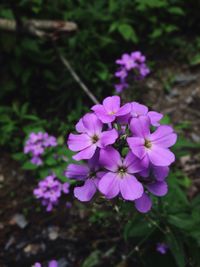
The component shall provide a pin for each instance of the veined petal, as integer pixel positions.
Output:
(109, 185)
(158, 188)
(92, 124)
(110, 159)
(77, 171)
(132, 163)
(111, 104)
(102, 114)
(86, 192)
(143, 204)
(130, 188)
(140, 126)
(77, 142)
(136, 145)
(108, 138)
(160, 156)
(125, 109)
(86, 153)
(164, 136)
(155, 117)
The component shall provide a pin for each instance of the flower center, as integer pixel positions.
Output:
(95, 139)
(112, 112)
(148, 144)
(122, 170)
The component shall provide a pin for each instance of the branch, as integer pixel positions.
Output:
(39, 28)
(76, 77)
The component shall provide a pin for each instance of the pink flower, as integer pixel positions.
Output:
(110, 109)
(90, 174)
(151, 148)
(119, 177)
(90, 138)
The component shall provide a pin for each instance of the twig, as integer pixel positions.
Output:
(39, 28)
(76, 77)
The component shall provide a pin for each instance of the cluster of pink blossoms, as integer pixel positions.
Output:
(36, 145)
(123, 156)
(50, 190)
(132, 65)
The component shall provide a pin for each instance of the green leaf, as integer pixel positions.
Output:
(176, 248)
(92, 260)
(29, 166)
(137, 228)
(175, 10)
(195, 60)
(156, 33)
(128, 33)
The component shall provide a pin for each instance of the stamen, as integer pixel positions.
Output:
(148, 144)
(95, 139)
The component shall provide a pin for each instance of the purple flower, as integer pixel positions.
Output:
(121, 73)
(121, 86)
(90, 138)
(137, 57)
(49, 191)
(151, 148)
(36, 160)
(162, 248)
(138, 110)
(110, 109)
(89, 174)
(104, 136)
(52, 263)
(36, 145)
(132, 65)
(126, 61)
(119, 176)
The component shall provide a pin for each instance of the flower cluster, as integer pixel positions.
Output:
(124, 157)
(133, 63)
(52, 263)
(36, 145)
(49, 191)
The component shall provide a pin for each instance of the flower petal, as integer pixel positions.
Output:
(155, 117)
(86, 153)
(138, 109)
(111, 104)
(102, 114)
(80, 127)
(130, 188)
(143, 204)
(110, 159)
(158, 188)
(125, 109)
(77, 142)
(92, 124)
(160, 173)
(136, 145)
(108, 138)
(109, 185)
(140, 126)
(132, 163)
(160, 156)
(77, 171)
(85, 192)
(164, 136)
